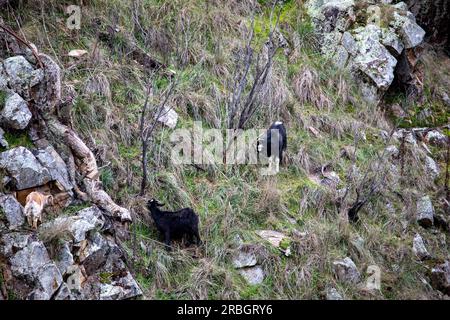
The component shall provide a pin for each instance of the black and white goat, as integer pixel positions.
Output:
(272, 144)
(175, 224)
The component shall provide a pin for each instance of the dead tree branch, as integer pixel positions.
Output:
(241, 107)
(148, 124)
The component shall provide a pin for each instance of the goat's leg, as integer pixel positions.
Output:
(167, 240)
(189, 239)
(281, 156)
(197, 237)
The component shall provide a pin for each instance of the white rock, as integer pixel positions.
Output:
(425, 212)
(432, 167)
(419, 248)
(56, 166)
(253, 275)
(24, 169)
(77, 53)
(244, 259)
(346, 271)
(12, 210)
(333, 294)
(27, 262)
(169, 117)
(49, 278)
(16, 114)
(412, 34)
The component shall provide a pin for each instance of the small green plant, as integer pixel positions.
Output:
(17, 139)
(107, 178)
(105, 277)
(2, 98)
(72, 209)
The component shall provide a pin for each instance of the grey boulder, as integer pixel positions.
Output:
(24, 169)
(49, 278)
(27, 262)
(253, 275)
(425, 212)
(56, 166)
(346, 271)
(419, 248)
(15, 113)
(440, 277)
(12, 210)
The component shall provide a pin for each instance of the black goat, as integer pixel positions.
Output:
(276, 134)
(175, 225)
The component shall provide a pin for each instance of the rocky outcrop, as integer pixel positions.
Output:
(377, 41)
(419, 248)
(21, 75)
(23, 168)
(69, 257)
(246, 259)
(12, 210)
(425, 212)
(346, 271)
(15, 113)
(56, 167)
(86, 265)
(440, 277)
(434, 17)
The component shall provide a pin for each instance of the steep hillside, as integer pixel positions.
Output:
(363, 194)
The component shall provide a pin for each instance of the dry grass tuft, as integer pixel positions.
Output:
(308, 89)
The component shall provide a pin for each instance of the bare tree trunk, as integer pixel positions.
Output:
(242, 108)
(87, 167)
(447, 172)
(147, 128)
(144, 168)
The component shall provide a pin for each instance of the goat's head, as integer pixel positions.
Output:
(49, 200)
(154, 203)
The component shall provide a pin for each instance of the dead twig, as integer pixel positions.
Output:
(24, 42)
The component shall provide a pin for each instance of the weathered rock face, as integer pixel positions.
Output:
(15, 113)
(425, 212)
(440, 277)
(56, 167)
(75, 227)
(346, 271)
(419, 248)
(12, 210)
(24, 169)
(88, 266)
(27, 170)
(333, 294)
(21, 75)
(370, 38)
(434, 17)
(84, 261)
(254, 275)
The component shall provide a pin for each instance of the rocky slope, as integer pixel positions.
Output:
(363, 94)
(71, 256)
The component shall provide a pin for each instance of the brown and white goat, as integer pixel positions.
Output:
(35, 204)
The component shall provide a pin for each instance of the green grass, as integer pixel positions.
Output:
(17, 139)
(235, 202)
(2, 98)
(74, 208)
